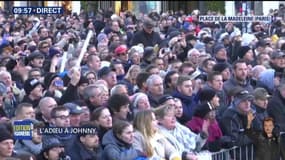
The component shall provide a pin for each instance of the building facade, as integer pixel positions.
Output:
(231, 7)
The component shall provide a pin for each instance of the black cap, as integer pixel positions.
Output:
(35, 54)
(206, 94)
(164, 98)
(5, 134)
(203, 109)
(243, 50)
(220, 67)
(173, 34)
(277, 54)
(73, 108)
(104, 71)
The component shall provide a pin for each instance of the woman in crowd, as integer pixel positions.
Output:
(140, 102)
(117, 143)
(130, 78)
(149, 140)
(102, 118)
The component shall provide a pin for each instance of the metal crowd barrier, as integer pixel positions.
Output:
(234, 153)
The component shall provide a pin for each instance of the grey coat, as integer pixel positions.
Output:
(115, 149)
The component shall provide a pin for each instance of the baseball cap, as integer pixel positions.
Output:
(244, 95)
(74, 108)
(277, 54)
(35, 54)
(164, 98)
(261, 93)
(121, 49)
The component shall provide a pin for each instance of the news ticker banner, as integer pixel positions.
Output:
(205, 18)
(37, 10)
(23, 130)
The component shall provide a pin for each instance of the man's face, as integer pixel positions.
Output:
(115, 26)
(90, 141)
(222, 54)
(75, 120)
(279, 62)
(111, 79)
(268, 127)
(62, 119)
(154, 71)
(244, 106)
(157, 87)
(173, 79)
(6, 79)
(37, 92)
(210, 66)
(37, 62)
(264, 59)
(241, 71)
(186, 88)
(226, 74)
(6, 148)
(160, 64)
(95, 63)
(48, 106)
(119, 69)
(261, 103)
(27, 113)
(194, 57)
(217, 82)
(53, 153)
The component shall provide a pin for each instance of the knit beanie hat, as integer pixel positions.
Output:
(50, 142)
(206, 95)
(5, 134)
(220, 67)
(203, 109)
(243, 50)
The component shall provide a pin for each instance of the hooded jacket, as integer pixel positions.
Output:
(115, 149)
(188, 104)
(79, 151)
(232, 82)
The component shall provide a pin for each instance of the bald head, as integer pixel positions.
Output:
(46, 105)
(256, 70)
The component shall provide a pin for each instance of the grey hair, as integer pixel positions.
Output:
(88, 91)
(191, 51)
(4, 73)
(115, 89)
(43, 101)
(151, 79)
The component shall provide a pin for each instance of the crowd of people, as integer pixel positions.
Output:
(154, 86)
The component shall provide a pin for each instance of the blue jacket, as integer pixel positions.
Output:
(188, 104)
(232, 82)
(115, 149)
(78, 151)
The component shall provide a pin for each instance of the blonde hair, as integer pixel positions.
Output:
(128, 74)
(143, 124)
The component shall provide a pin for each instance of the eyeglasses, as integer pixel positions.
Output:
(62, 117)
(45, 46)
